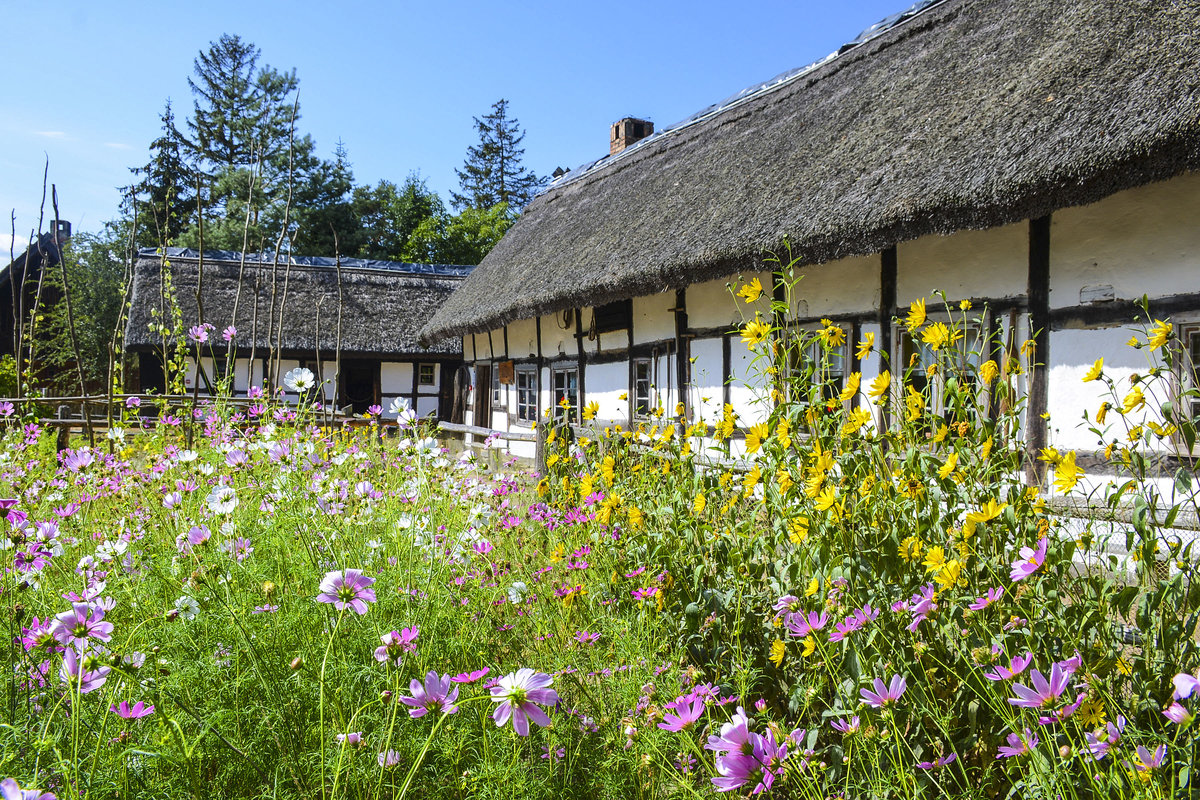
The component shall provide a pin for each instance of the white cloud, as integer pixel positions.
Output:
(51, 134)
(10, 245)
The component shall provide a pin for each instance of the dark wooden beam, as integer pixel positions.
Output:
(726, 368)
(579, 334)
(683, 352)
(888, 269)
(1039, 328)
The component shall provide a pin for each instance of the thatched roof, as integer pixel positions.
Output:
(384, 303)
(969, 114)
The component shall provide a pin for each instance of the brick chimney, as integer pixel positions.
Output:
(626, 132)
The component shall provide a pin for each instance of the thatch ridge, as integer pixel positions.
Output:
(972, 114)
(383, 310)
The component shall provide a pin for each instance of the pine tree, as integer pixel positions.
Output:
(242, 142)
(492, 172)
(163, 195)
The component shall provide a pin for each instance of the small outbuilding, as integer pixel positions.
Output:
(251, 318)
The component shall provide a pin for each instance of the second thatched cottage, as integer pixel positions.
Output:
(1034, 157)
(352, 322)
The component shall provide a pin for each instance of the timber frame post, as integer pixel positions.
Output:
(1039, 359)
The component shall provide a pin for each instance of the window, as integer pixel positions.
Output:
(961, 361)
(643, 399)
(811, 364)
(611, 317)
(426, 374)
(1189, 371)
(497, 388)
(566, 392)
(527, 395)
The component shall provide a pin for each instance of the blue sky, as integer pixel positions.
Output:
(397, 82)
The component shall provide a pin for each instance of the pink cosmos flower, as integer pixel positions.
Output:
(354, 739)
(471, 677)
(136, 711)
(396, 644)
(11, 790)
(799, 625)
(1018, 745)
(1016, 666)
(1099, 742)
(1185, 685)
(938, 762)
(1177, 714)
(435, 695)
(993, 594)
(1044, 692)
(884, 695)
(1029, 562)
(347, 589)
(389, 759)
(687, 711)
(1146, 760)
(81, 623)
(229, 333)
(82, 669)
(516, 693)
(847, 727)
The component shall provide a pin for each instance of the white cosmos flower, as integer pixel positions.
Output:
(111, 550)
(183, 456)
(222, 500)
(116, 434)
(205, 469)
(300, 380)
(187, 607)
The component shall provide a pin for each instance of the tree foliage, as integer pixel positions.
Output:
(162, 198)
(493, 172)
(95, 267)
(239, 174)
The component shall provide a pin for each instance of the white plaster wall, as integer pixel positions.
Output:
(747, 393)
(988, 263)
(522, 339)
(708, 391)
(1140, 241)
(557, 340)
(328, 376)
(1072, 353)
(711, 305)
(437, 377)
(395, 377)
(846, 286)
(651, 320)
(605, 385)
(427, 406)
(483, 348)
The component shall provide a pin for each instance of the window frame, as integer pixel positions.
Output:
(971, 347)
(635, 398)
(1187, 376)
(799, 358)
(556, 394)
(525, 393)
(421, 367)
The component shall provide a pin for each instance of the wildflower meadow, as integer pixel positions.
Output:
(243, 602)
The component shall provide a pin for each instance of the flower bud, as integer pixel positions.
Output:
(297, 663)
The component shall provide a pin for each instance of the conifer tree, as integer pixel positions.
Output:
(163, 194)
(492, 172)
